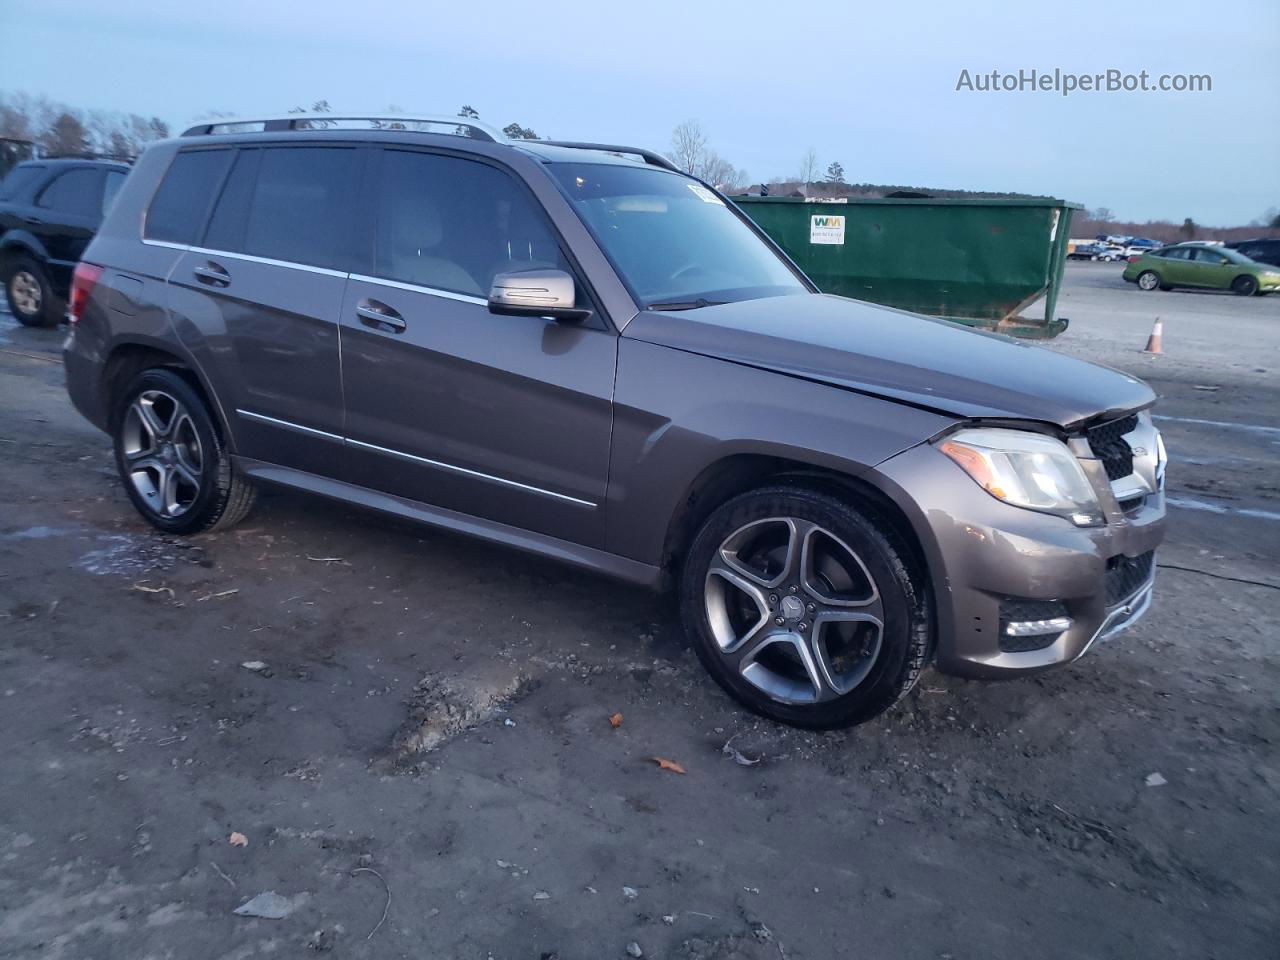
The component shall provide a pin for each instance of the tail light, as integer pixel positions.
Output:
(83, 280)
(1134, 259)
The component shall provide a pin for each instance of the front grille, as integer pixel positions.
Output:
(1132, 503)
(1126, 574)
(1109, 445)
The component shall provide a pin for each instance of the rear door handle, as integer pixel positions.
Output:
(34, 221)
(376, 314)
(212, 274)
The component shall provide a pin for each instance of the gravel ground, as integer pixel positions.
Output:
(420, 762)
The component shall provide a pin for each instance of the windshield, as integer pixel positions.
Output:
(675, 243)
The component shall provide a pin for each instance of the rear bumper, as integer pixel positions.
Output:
(987, 558)
(83, 366)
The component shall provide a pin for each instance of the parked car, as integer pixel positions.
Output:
(1087, 251)
(578, 351)
(1261, 249)
(49, 211)
(1198, 265)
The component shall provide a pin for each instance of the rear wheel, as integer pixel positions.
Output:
(1148, 280)
(805, 609)
(1244, 285)
(31, 299)
(174, 465)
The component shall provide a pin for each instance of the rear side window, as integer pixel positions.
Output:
(451, 224)
(181, 204)
(76, 192)
(20, 180)
(301, 210)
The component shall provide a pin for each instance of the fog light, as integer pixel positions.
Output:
(1036, 628)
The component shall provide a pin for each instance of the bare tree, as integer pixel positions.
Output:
(688, 146)
(1102, 215)
(67, 134)
(808, 169)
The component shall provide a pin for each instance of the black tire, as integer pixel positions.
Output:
(905, 644)
(1150, 280)
(24, 279)
(1244, 285)
(223, 496)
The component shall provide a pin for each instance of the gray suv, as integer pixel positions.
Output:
(578, 351)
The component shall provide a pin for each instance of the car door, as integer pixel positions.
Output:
(66, 215)
(1212, 268)
(256, 296)
(501, 417)
(1174, 266)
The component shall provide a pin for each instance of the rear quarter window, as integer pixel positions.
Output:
(21, 181)
(181, 204)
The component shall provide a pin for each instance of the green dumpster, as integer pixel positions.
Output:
(980, 262)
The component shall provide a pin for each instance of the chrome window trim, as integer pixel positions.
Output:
(417, 288)
(413, 458)
(268, 261)
(250, 258)
(166, 244)
(288, 425)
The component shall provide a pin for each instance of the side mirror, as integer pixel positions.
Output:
(536, 293)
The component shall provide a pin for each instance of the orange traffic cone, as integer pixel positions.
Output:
(1153, 341)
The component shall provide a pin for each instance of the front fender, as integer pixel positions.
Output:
(678, 414)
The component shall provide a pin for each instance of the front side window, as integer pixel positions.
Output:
(675, 243)
(179, 208)
(1209, 256)
(453, 224)
(76, 192)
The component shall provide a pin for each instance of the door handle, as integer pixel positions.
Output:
(212, 274)
(34, 221)
(376, 314)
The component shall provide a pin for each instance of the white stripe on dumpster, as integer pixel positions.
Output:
(1188, 504)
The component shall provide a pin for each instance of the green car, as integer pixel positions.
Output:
(1197, 265)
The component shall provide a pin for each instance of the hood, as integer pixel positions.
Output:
(930, 363)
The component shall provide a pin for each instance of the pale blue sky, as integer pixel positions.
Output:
(869, 84)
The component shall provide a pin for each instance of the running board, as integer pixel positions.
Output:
(575, 554)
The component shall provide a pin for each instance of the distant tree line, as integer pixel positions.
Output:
(56, 128)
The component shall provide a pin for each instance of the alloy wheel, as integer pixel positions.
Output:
(25, 294)
(162, 453)
(793, 610)
(1148, 281)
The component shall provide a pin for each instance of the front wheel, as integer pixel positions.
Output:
(804, 608)
(1148, 280)
(1244, 286)
(174, 465)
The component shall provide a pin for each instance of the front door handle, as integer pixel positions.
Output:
(213, 274)
(376, 314)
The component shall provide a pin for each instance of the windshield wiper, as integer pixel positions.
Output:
(685, 304)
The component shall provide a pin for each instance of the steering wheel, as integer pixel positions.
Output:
(688, 268)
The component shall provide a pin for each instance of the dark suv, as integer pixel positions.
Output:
(1261, 249)
(49, 211)
(578, 351)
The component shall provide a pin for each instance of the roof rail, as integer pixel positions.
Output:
(314, 121)
(656, 159)
(88, 155)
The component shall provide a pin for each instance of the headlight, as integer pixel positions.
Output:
(1028, 470)
(1162, 460)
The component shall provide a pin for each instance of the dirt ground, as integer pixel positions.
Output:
(422, 763)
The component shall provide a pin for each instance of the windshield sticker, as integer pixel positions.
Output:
(826, 229)
(703, 194)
